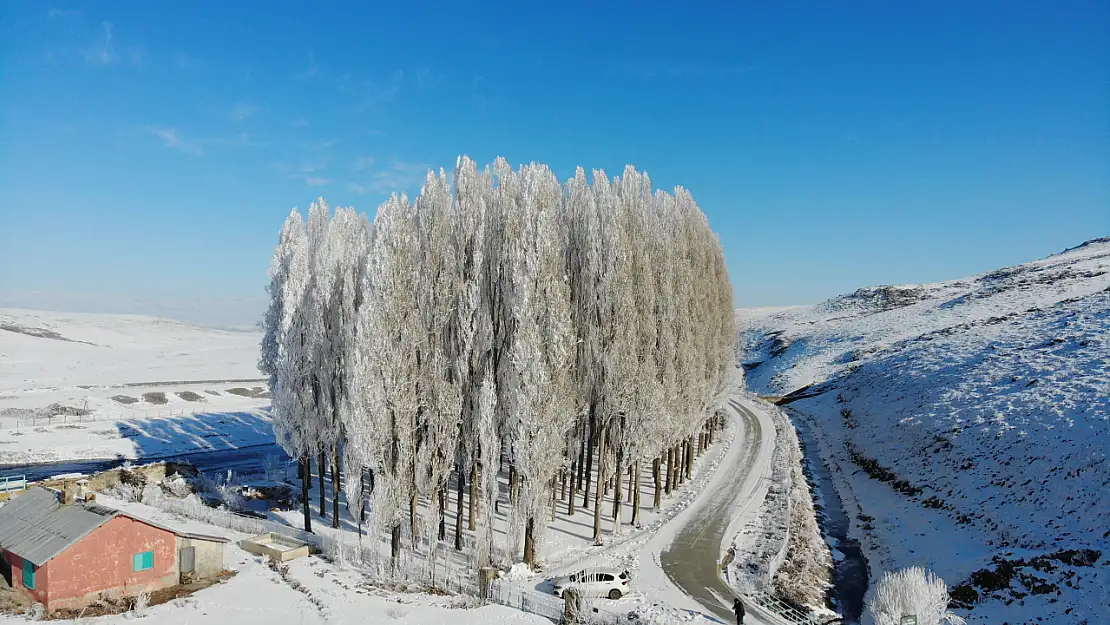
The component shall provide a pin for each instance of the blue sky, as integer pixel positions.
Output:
(148, 154)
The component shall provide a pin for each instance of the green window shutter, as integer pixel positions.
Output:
(142, 561)
(28, 575)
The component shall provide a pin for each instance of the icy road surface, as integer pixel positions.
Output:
(690, 559)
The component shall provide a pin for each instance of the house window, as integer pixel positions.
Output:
(28, 575)
(143, 561)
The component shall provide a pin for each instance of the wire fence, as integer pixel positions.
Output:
(525, 600)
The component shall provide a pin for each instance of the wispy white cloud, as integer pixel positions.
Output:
(242, 111)
(316, 181)
(363, 163)
(171, 138)
(398, 176)
(104, 51)
(651, 71)
(55, 13)
(373, 94)
(183, 60)
(309, 72)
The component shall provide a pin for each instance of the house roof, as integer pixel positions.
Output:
(37, 527)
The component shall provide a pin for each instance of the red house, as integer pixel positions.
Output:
(68, 555)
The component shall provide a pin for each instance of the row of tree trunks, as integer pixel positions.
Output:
(679, 468)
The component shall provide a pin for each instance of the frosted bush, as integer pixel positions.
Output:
(912, 591)
(139, 604)
(177, 487)
(36, 612)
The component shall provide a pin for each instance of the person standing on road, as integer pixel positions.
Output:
(738, 609)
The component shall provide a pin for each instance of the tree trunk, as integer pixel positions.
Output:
(712, 426)
(394, 545)
(617, 475)
(680, 452)
(306, 481)
(412, 518)
(529, 543)
(628, 493)
(322, 468)
(636, 494)
(592, 442)
(581, 462)
(670, 470)
(473, 522)
(459, 509)
(690, 458)
(655, 474)
(575, 471)
(335, 489)
(443, 513)
(512, 485)
(599, 493)
(563, 485)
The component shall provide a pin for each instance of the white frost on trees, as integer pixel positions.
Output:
(508, 313)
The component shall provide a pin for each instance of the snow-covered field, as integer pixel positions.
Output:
(967, 424)
(81, 386)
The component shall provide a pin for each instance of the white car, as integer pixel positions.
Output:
(595, 583)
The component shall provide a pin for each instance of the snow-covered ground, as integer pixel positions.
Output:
(967, 424)
(84, 386)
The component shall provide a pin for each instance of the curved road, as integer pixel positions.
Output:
(691, 561)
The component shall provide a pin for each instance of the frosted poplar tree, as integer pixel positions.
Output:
(285, 350)
(342, 266)
(540, 380)
(438, 284)
(386, 368)
(469, 337)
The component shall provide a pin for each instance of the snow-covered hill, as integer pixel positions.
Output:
(968, 424)
(76, 385)
(52, 349)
